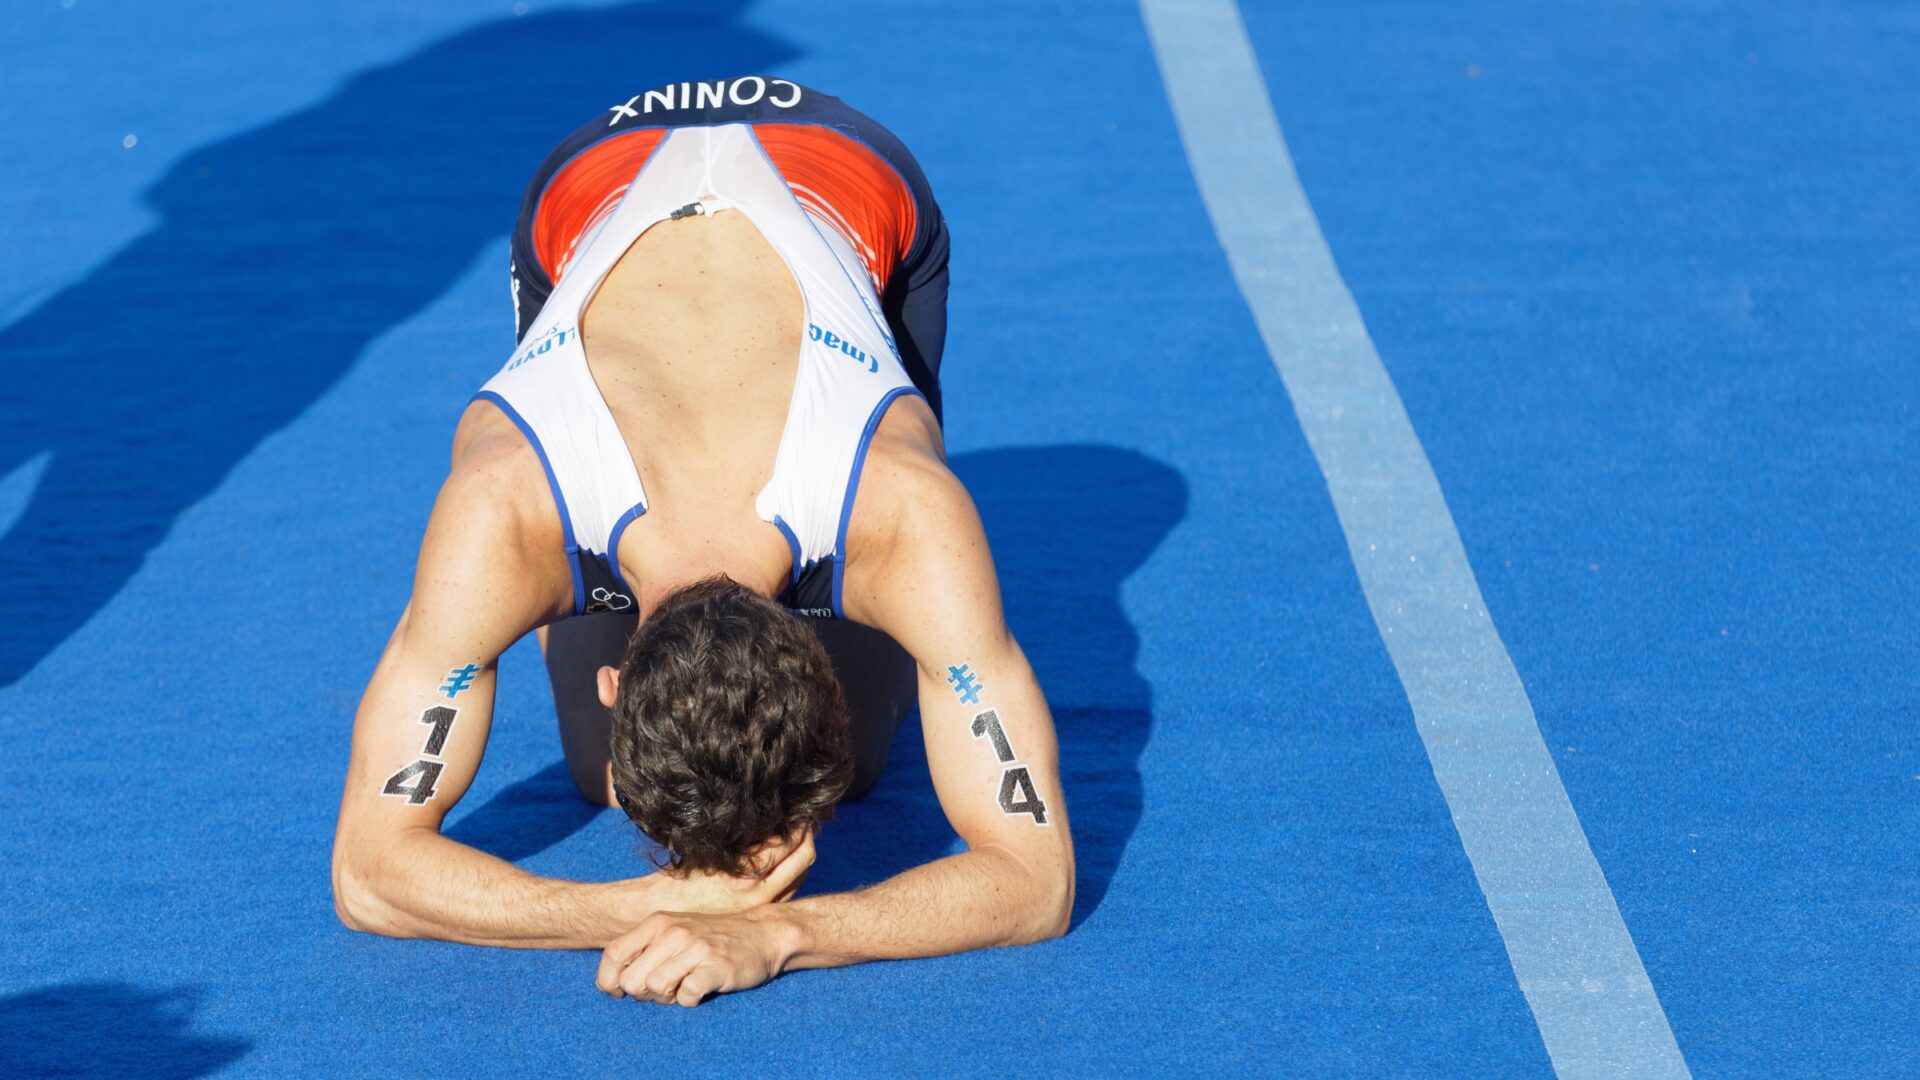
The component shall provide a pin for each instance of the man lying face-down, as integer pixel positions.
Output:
(711, 477)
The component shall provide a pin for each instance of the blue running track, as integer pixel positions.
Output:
(1645, 277)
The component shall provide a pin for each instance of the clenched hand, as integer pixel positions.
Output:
(679, 958)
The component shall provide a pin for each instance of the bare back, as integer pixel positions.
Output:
(692, 339)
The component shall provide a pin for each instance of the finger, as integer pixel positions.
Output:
(634, 979)
(793, 888)
(620, 952)
(697, 984)
(663, 985)
(613, 960)
(786, 875)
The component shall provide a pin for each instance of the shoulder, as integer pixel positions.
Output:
(487, 446)
(495, 534)
(915, 530)
(496, 476)
(905, 486)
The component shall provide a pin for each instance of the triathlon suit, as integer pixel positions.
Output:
(837, 197)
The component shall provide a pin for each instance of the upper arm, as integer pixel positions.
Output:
(423, 721)
(928, 580)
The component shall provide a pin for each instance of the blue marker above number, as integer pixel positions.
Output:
(459, 679)
(965, 684)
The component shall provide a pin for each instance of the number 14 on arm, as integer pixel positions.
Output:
(1017, 794)
(416, 782)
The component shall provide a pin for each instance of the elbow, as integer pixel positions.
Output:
(353, 901)
(348, 913)
(1050, 912)
(1056, 910)
(357, 902)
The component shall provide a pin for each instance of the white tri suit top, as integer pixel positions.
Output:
(849, 372)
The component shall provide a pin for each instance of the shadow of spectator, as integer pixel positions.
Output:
(280, 253)
(109, 1030)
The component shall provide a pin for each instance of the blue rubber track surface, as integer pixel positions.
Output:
(1646, 277)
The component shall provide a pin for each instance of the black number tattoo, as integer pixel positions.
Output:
(1015, 781)
(988, 724)
(1017, 794)
(441, 718)
(429, 774)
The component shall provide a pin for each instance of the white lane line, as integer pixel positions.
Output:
(1575, 962)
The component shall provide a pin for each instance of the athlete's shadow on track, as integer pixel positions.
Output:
(109, 1029)
(1068, 525)
(528, 816)
(280, 254)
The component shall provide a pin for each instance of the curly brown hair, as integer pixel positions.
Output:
(729, 728)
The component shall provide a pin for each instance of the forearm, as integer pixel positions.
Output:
(975, 900)
(418, 884)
